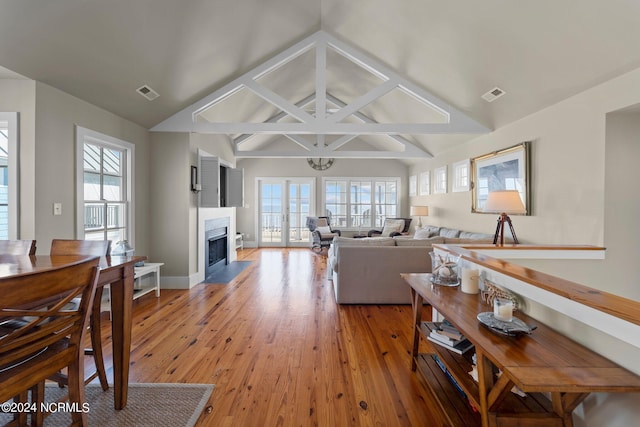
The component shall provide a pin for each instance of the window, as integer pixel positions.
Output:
(461, 176)
(360, 202)
(440, 180)
(425, 183)
(105, 208)
(8, 176)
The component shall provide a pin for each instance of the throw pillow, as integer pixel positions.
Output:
(422, 233)
(391, 226)
(324, 230)
(449, 233)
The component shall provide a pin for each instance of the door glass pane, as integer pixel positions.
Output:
(299, 200)
(271, 213)
(360, 195)
(336, 202)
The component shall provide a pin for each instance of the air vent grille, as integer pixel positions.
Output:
(147, 92)
(493, 94)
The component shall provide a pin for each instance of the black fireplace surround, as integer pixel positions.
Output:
(216, 244)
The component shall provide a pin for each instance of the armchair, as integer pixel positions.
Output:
(392, 227)
(321, 232)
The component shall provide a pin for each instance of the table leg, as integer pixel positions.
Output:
(485, 383)
(121, 309)
(416, 302)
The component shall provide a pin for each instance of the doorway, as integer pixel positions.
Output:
(283, 207)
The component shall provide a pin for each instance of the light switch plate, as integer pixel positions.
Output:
(57, 208)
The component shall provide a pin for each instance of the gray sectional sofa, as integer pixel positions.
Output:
(367, 271)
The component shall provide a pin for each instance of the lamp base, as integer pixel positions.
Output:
(500, 229)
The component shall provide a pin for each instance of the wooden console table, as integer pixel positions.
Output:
(540, 363)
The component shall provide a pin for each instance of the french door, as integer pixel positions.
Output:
(284, 204)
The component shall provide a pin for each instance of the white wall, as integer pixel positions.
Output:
(254, 168)
(176, 218)
(57, 113)
(20, 96)
(578, 198)
(568, 181)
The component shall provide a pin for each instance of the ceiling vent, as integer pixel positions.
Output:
(493, 94)
(147, 92)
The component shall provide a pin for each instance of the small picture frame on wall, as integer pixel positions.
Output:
(425, 183)
(413, 185)
(440, 180)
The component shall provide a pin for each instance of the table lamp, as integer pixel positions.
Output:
(419, 211)
(504, 202)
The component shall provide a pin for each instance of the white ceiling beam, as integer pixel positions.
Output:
(189, 114)
(298, 139)
(329, 154)
(326, 128)
(278, 101)
(380, 69)
(276, 118)
(321, 81)
(363, 101)
(341, 141)
(364, 118)
(187, 119)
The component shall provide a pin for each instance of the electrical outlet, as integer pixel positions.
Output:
(57, 208)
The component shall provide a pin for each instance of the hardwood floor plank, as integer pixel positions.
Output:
(279, 349)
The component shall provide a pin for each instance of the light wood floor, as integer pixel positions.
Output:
(279, 349)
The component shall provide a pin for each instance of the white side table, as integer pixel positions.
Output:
(239, 241)
(146, 269)
(138, 289)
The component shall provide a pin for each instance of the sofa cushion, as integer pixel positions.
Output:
(457, 240)
(420, 242)
(475, 236)
(392, 226)
(367, 241)
(449, 232)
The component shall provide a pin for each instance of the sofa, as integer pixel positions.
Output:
(367, 270)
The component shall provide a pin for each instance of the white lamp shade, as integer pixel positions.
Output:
(507, 201)
(419, 210)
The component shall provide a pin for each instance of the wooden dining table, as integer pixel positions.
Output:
(116, 271)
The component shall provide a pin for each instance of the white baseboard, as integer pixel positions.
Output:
(178, 282)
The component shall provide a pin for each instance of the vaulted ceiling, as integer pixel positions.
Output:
(537, 52)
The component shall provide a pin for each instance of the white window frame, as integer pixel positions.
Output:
(84, 135)
(440, 180)
(460, 172)
(12, 119)
(373, 181)
(425, 183)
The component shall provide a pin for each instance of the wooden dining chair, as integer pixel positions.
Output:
(17, 247)
(52, 337)
(98, 248)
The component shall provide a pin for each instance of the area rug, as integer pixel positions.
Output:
(227, 273)
(147, 405)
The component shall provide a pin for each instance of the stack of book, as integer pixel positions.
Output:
(447, 336)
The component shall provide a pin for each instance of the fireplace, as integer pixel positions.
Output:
(216, 244)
